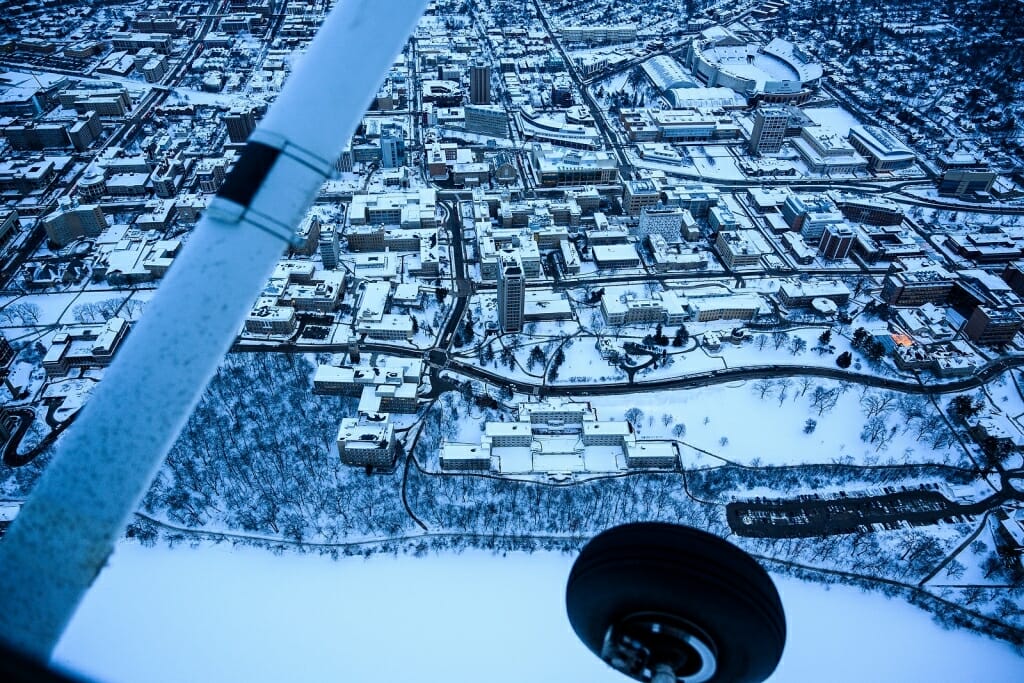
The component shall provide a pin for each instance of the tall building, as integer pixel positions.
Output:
(993, 325)
(836, 242)
(511, 292)
(72, 222)
(345, 162)
(915, 287)
(769, 130)
(7, 354)
(638, 195)
(957, 182)
(329, 247)
(211, 174)
(9, 224)
(392, 151)
(367, 441)
(241, 123)
(665, 222)
(479, 84)
(810, 214)
(487, 120)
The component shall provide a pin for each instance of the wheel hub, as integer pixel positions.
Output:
(659, 648)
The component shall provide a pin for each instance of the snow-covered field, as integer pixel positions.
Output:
(772, 431)
(219, 614)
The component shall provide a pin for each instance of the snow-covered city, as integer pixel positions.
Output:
(755, 268)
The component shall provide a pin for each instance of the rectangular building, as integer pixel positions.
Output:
(367, 441)
(824, 150)
(872, 210)
(559, 167)
(638, 195)
(992, 326)
(464, 457)
(511, 292)
(487, 120)
(882, 149)
(68, 224)
(916, 287)
(959, 182)
(769, 130)
(615, 256)
(836, 242)
(800, 293)
(737, 250)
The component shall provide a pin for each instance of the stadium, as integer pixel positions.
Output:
(777, 72)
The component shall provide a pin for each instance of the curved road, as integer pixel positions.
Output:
(988, 372)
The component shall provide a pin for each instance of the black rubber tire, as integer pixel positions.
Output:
(688, 573)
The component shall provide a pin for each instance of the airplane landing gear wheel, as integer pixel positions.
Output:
(665, 603)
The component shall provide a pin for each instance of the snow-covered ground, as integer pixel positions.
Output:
(214, 613)
(770, 431)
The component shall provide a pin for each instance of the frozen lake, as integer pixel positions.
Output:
(215, 613)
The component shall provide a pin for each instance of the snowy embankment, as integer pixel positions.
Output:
(214, 613)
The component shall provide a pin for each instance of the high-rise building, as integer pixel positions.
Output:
(392, 151)
(957, 182)
(638, 195)
(9, 224)
(932, 284)
(487, 120)
(345, 162)
(810, 214)
(7, 354)
(72, 222)
(329, 247)
(367, 441)
(769, 130)
(85, 130)
(211, 174)
(511, 292)
(241, 123)
(836, 242)
(561, 93)
(993, 325)
(479, 84)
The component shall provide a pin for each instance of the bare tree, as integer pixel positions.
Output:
(877, 404)
(84, 313)
(876, 431)
(26, 313)
(634, 415)
(763, 386)
(955, 569)
(823, 399)
(784, 386)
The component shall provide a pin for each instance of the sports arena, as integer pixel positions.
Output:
(776, 72)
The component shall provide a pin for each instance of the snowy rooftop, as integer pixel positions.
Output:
(543, 410)
(881, 142)
(365, 432)
(614, 428)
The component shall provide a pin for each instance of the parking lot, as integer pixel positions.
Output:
(814, 515)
